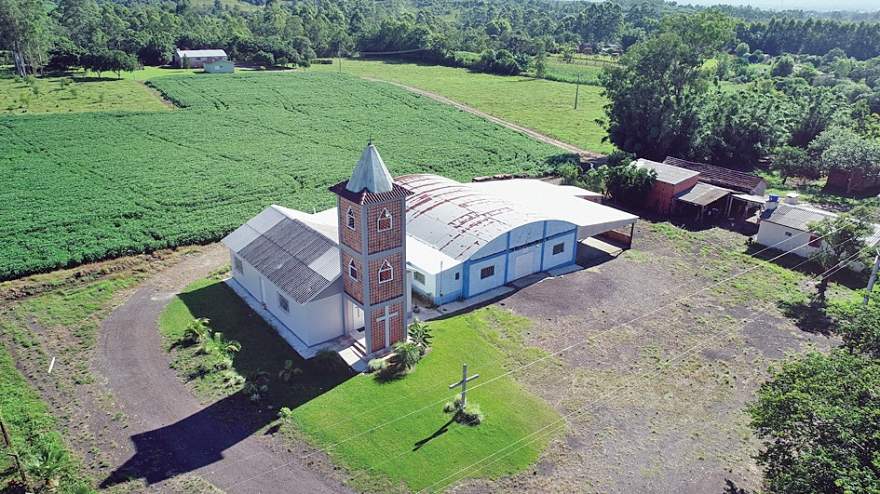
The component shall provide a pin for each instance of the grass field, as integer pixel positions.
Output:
(542, 105)
(329, 405)
(74, 94)
(86, 186)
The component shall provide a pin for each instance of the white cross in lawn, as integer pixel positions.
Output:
(386, 318)
(463, 384)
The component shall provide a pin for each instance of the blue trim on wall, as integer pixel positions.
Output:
(466, 279)
(543, 243)
(507, 261)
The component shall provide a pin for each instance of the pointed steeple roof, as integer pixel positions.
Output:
(370, 182)
(370, 174)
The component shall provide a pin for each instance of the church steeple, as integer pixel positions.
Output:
(372, 250)
(370, 174)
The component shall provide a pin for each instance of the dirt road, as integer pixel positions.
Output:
(589, 155)
(172, 433)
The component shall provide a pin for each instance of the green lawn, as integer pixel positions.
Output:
(66, 94)
(542, 105)
(330, 406)
(486, 339)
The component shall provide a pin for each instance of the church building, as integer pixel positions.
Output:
(343, 278)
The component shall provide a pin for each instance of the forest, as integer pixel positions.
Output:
(493, 35)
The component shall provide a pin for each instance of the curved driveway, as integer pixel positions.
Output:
(171, 432)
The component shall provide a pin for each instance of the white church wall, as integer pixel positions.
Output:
(314, 322)
(248, 277)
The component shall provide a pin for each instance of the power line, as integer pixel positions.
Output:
(664, 366)
(563, 350)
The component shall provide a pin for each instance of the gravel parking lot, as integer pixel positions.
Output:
(632, 424)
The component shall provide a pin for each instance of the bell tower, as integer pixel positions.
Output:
(372, 248)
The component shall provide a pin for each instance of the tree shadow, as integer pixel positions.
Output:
(439, 432)
(730, 487)
(201, 438)
(809, 316)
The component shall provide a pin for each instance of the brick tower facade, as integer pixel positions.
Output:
(372, 249)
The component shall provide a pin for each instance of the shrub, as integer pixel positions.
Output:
(285, 413)
(408, 354)
(377, 365)
(471, 415)
(197, 330)
(289, 371)
(420, 334)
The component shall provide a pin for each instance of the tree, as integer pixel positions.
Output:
(628, 184)
(840, 148)
(783, 67)
(859, 325)
(541, 64)
(26, 33)
(742, 49)
(740, 127)
(842, 242)
(792, 161)
(819, 419)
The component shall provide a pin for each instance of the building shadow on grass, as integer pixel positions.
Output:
(201, 438)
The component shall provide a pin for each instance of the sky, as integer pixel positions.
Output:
(821, 5)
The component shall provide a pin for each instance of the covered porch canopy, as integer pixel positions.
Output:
(703, 195)
(564, 203)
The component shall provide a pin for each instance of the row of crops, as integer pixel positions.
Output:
(83, 187)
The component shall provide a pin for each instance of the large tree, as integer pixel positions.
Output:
(654, 92)
(841, 242)
(25, 30)
(819, 418)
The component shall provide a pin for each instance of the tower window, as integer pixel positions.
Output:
(349, 219)
(386, 272)
(384, 222)
(352, 270)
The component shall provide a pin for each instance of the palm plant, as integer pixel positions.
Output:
(420, 334)
(197, 330)
(408, 354)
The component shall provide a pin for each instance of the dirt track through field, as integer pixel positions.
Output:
(172, 433)
(504, 123)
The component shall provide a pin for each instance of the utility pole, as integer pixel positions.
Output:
(577, 91)
(873, 277)
(463, 384)
(8, 441)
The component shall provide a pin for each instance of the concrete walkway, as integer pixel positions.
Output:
(171, 432)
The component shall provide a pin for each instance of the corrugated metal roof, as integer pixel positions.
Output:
(667, 173)
(291, 248)
(284, 255)
(703, 194)
(795, 216)
(201, 53)
(720, 176)
(459, 219)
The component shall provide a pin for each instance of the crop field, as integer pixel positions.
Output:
(85, 186)
(539, 104)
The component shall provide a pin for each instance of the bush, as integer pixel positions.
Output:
(470, 415)
(420, 334)
(377, 365)
(408, 354)
(197, 330)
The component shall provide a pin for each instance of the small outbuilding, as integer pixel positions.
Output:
(194, 59)
(735, 180)
(219, 67)
(671, 182)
